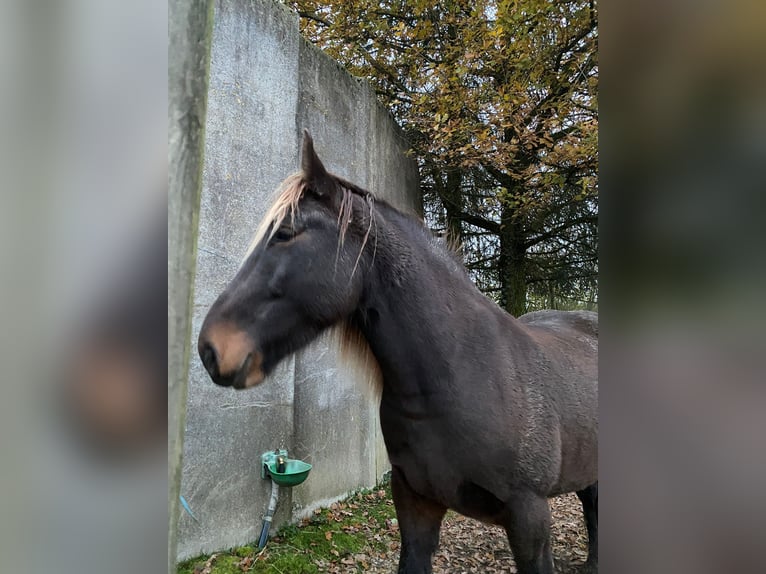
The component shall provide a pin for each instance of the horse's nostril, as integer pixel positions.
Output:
(223, 349)
(209, 359)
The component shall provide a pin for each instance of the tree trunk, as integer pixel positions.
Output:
(450, 193)
(512, 266)
(454, 194)
(551, 295)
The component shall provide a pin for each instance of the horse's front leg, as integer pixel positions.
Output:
(419, 523)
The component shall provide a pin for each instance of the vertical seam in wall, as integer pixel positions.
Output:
(297, 146)
(299, 103)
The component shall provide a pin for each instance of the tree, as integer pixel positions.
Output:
(498, 99)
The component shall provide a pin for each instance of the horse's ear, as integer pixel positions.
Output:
(316, 176)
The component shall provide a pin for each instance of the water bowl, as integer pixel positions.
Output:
(295, 471)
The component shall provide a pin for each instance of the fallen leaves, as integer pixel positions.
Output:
(467, 546)
(360, 535)
(207, 568)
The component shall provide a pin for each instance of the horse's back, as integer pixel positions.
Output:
(566, 337)
(585, 322)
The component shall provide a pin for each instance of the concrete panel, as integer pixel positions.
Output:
(392, 175)
(335, 107)
(250, 147)
(267, 84)
(336, 426)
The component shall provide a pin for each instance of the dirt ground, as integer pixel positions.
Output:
(361, 534)
(470, 547)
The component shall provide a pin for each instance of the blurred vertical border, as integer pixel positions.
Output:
(190, 30)
(83, 240)
(682, 237)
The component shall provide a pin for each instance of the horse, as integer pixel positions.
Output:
(481, 412)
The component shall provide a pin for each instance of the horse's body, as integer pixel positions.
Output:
(481, 412)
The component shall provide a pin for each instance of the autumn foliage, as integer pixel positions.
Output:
(499, 102)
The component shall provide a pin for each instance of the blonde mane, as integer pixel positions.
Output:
(288, 196)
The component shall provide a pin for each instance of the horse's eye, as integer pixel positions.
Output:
(284, 234)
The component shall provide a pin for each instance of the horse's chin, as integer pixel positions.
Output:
(252, 380)
(252, 372)
(261, 364)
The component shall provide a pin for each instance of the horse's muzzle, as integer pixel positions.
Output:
(230, 357)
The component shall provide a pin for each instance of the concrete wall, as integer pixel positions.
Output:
(267, 84)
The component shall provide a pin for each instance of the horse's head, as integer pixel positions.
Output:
(303, 273)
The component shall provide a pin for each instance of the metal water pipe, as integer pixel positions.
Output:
(269, 515)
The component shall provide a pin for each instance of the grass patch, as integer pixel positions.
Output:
(349, 534)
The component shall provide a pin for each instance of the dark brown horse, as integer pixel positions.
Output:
(481, 412)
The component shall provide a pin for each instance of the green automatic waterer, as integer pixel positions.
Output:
(282, 470)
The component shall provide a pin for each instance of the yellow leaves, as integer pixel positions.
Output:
(471, 81)
(423, 29)
(546, 139)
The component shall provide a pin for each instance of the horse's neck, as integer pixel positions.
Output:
(415, 308)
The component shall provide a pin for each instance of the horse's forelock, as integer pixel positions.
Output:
(288, 196)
